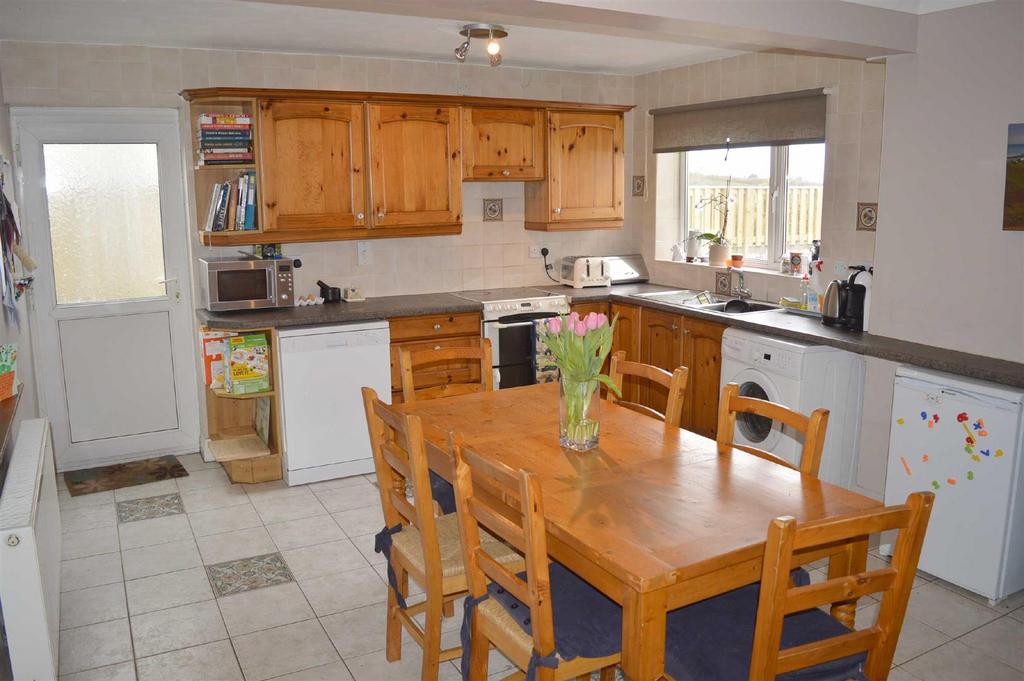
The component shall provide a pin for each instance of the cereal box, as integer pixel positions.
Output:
(215, 347)
(248, 369)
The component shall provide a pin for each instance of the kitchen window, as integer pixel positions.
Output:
(770, 197)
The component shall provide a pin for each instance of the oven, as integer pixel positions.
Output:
(514, 347)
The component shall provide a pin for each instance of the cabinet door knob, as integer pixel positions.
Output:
(359, 216)
(506, 173)
(380, 214)
(556, 211)
(437, 347)
(675, 327)
(437, 327)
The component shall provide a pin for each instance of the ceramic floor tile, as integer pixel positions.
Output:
(282, 650)
(337, 483)
(89, 606)
(323, 559)
(174, 628)
(154, 560)
(149, 507)
(358, 631)
(212, 477)
(955, 661)
(1018, 614)
(221, 520)
(346, 498)
(1010, 603)
(194, 462)
(82, 573)
(374, 667)
(278, 510)
(364, 544)
(360, 521)
(1002, 639)
(344, 591)
(276, 488)
(916, 637)
(946, 611)
(899, 674)
(95, 645)
(70, 503)
(168, 590)
(150, 489)
(88, 518)
(336, 671)
(211, 661)
(154, 531)
(209, 498)
(220, 548)
(248, 573)
(90, 543)
(123, 671)
(265, 608)
(295, 534)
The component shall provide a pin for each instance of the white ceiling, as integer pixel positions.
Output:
(918, 6)
(241, 25)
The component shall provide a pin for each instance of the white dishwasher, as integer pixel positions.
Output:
(323, 369)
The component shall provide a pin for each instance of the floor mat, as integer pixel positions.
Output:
(89, 480)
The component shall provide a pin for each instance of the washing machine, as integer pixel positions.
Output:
(801, 377)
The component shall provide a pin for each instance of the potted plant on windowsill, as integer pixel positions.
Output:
(718, 246)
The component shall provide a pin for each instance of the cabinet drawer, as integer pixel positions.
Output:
(435, 326)
(437, 373)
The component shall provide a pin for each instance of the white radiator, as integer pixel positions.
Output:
(30, 552)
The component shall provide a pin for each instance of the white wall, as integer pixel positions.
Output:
(946, 273)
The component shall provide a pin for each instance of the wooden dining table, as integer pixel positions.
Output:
(656, 518)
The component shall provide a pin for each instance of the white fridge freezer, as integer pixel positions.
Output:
(323, 369)
(962, 439)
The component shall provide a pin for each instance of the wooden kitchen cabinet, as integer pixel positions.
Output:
(702, 353)
(661, 345)
(415, 166)
(585, 184)
(583, 309)
(502, 144)
(312, 159)
(627, 339)
(428, 332)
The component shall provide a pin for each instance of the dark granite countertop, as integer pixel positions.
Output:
(770, 322)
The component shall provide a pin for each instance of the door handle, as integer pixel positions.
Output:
(166, 280)
(177, 288)
(506, 173)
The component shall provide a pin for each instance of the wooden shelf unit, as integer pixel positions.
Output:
(233, 441)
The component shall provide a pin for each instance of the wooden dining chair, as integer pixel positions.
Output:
(813, 427)
(416, 543)
(529, 616)
(408, 361)
(714, 640)
(674, 383)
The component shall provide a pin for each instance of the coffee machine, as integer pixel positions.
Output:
(843, 306)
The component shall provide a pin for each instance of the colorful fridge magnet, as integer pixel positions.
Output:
(951, 481)
(999, 453)
(924, 458)
(975, 458)
(906, 466)
(899, 421)
(935, 484)
(962, 416)
(970, 475)
(924, 416)
(986, 452)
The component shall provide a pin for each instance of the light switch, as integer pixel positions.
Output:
(363, 253)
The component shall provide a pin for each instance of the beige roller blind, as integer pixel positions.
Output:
(786, 118)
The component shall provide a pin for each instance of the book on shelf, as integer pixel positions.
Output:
(232, 158)
(233, 205)
(224, 138)
(224, 118)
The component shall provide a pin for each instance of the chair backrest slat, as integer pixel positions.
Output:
(399, 454)
(409, 360)
(848, 580)
(813, 427)
(473, 472)
(674, 383)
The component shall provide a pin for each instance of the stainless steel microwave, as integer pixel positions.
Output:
(246, 283)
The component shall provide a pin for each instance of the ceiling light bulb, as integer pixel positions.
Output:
(461, 50)
(495, 59)
(493, 47)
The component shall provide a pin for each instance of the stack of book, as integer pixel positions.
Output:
(224, 139)
(233, 205)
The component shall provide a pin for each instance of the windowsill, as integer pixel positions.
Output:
(746, 268)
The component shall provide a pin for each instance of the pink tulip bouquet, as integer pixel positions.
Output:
(579, 346)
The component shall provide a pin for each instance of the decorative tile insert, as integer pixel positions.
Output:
(236, 576)
(493, 210)
(723, 282)
(149, 507)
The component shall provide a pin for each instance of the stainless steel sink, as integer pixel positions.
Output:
(688, 298)
(739, 307)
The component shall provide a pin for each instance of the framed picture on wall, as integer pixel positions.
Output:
(1013, 199)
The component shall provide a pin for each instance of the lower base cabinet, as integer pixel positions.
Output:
(434, 332)
(702, 353)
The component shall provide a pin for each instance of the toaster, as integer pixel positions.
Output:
(579, 271)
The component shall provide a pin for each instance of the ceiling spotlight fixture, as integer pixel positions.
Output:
(491, 32)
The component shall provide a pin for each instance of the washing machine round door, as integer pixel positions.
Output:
(751, 429)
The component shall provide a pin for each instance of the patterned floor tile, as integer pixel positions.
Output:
(149, 507)
(237, 576)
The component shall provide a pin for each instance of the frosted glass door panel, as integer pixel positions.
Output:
(105, 228)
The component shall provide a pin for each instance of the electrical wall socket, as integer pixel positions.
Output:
(363, 253)
(535, 251)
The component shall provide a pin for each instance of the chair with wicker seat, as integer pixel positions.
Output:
(674, 383)
(417, 544)
(408, 361)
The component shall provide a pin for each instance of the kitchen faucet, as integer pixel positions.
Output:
(740, 290)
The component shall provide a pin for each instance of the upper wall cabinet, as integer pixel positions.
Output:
(585, 183)
(502, 144)
(416, 165)
(312, 157)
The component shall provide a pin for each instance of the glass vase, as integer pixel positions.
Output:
(579, 411)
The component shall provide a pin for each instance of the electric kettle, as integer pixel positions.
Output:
(843, 305)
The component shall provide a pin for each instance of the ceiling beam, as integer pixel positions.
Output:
(831, 27)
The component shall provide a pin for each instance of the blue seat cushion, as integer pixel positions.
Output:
(587, 623)
(713, 640)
